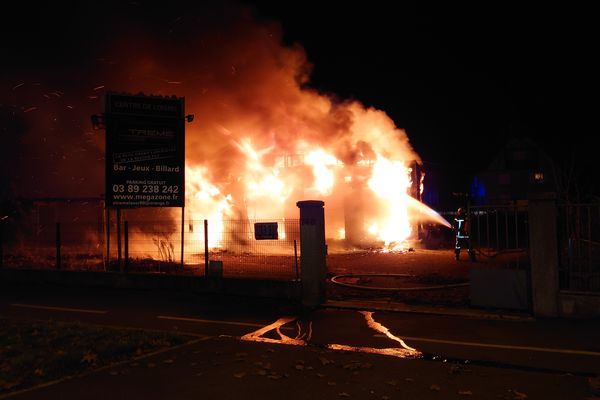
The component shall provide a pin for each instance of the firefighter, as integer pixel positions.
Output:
(461, 230)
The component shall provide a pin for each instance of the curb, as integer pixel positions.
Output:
(405, 308)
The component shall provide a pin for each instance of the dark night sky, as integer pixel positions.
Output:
(460, 80)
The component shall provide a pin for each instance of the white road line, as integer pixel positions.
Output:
(212, 321)
(503, 346)
(79, 310)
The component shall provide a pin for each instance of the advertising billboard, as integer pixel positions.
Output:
(145, 151)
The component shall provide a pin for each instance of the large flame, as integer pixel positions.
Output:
(267, 187)
(262, 138)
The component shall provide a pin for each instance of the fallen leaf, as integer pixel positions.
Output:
(39, 372)
(241, 355)
(9, 385)
(169, 361)
(343, 394)
(352, 365)
(90, 357)
(465, 392)
(239, 374)
(435, 388)
(517, 395)
(320, 375)
(331, 383)
(392, 383)
(325, 361)
(409, 379)
(262, 372)
(299, 367)
(274, 376)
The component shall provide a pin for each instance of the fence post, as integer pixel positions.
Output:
(313, 251)
(126, 238)
(58, 245)
(107, 265)
(119, 239)
(543, 247)
(296, 260)
(206, 248)
(2, 241)
(182, 235)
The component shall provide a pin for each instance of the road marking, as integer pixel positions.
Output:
(503, 346)
(80, 310)
(213, 321)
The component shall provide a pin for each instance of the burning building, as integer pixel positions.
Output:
(262, 138)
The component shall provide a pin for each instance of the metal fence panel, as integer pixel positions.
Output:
(579, 247)
(501, 234)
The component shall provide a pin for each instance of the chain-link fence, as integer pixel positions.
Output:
(130, 243)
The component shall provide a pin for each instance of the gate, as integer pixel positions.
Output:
(500, 239)
(500, 235)
(579, 247)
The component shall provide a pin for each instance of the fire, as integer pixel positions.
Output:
(267, 189)
(205, 201)
(390, 182)
(265, 192)
(322, 164)
(262, 138)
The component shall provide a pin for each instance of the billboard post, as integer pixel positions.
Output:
(145, 153)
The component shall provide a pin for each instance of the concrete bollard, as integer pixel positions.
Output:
(313, 251)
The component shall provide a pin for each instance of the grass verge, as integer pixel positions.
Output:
(34, 352)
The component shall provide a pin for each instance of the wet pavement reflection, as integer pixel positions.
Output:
(303, 338)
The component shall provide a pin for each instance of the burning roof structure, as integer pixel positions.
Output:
(261, 140)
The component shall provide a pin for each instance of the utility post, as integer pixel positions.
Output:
(313, 252)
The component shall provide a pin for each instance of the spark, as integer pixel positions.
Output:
(18, 86)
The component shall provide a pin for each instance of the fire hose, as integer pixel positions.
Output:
(497, 253)
(335, 279)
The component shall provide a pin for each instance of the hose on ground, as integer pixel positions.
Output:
(335, 279)
(497, 253)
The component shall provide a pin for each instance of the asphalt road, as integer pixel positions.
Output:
(554, 346)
